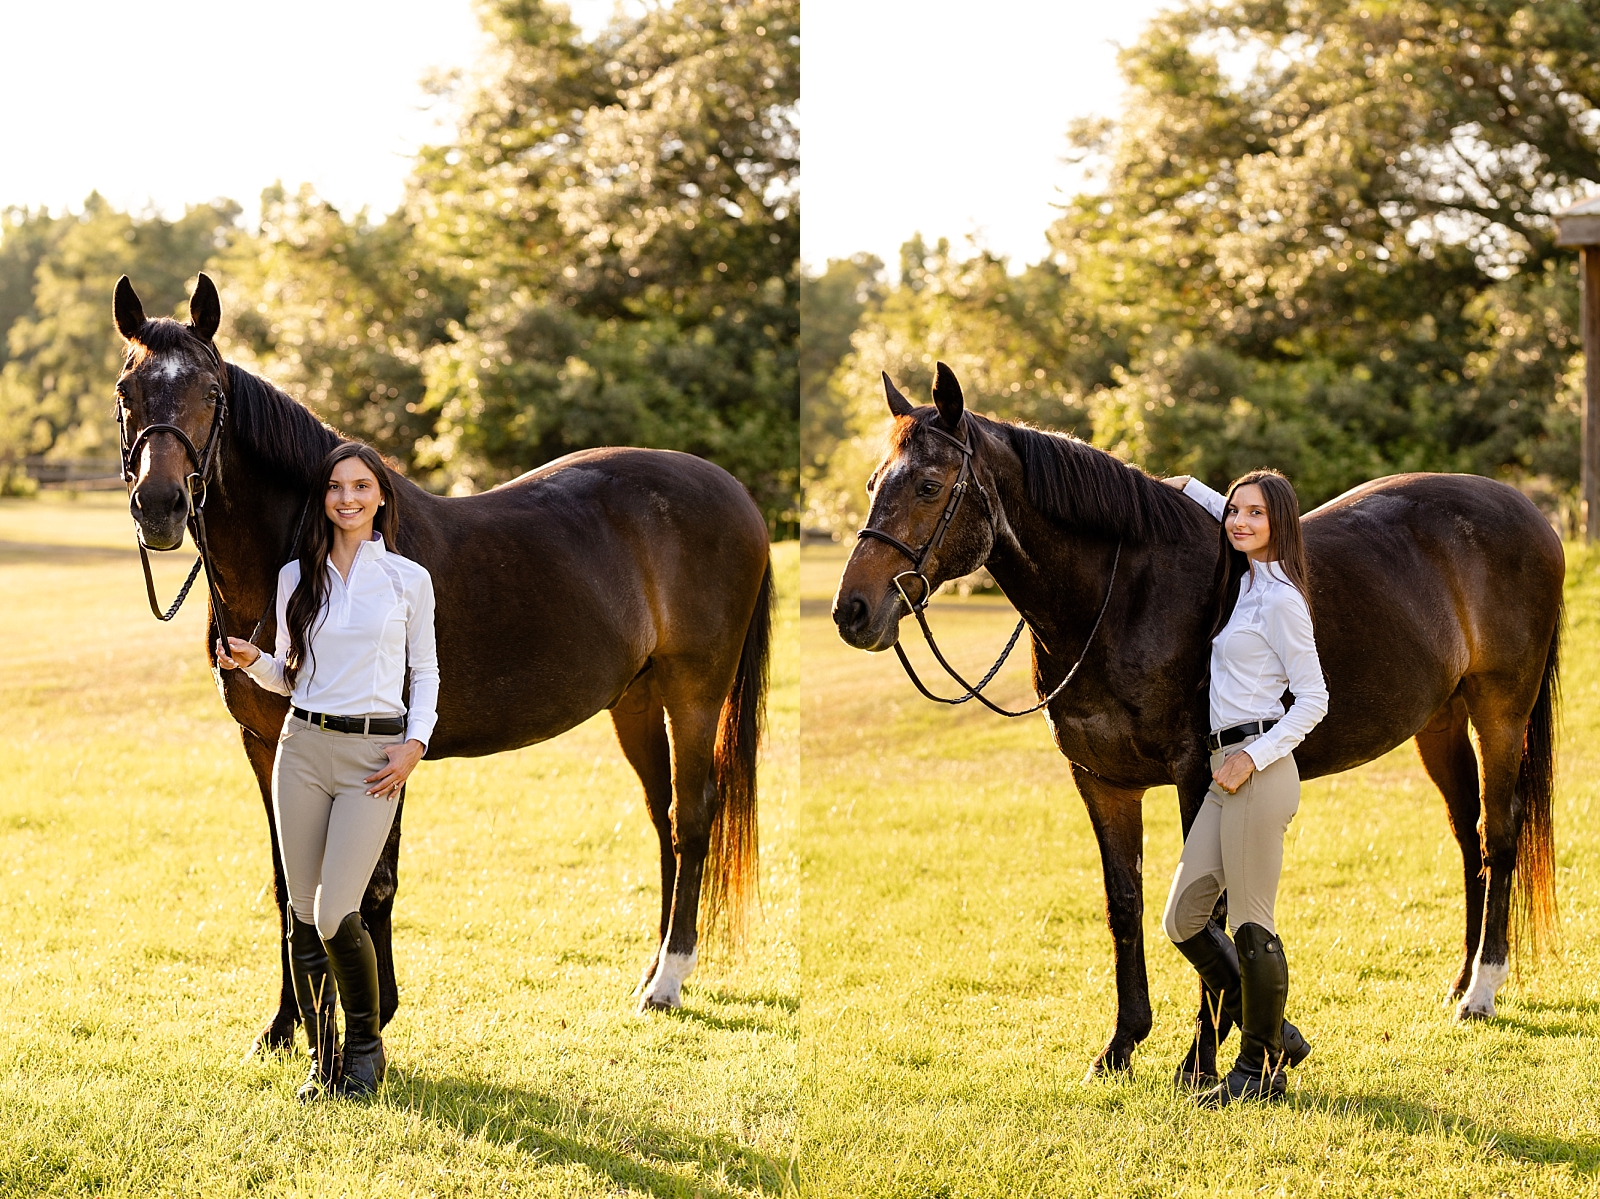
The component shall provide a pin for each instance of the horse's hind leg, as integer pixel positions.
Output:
(1446, 751)
(641, 726)
(1500, 741)
(692, 710)
(278, 1032)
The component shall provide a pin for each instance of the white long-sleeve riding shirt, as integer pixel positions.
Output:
(371, 629)
(1266, 646)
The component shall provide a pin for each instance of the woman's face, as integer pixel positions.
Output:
(353, 497)
(1246, 522)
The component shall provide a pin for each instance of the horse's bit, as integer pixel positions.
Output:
(919, 559)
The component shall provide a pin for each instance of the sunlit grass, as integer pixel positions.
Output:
(958, 977)
(139, 956)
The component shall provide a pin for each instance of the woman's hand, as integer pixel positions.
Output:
(1178, 481)
(1236, 768)
(403, 759)
(236, 653)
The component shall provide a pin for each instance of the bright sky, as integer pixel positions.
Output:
(167, 104)
(948, 116)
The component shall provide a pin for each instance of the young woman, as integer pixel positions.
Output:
(1261, 644)
(353, 615)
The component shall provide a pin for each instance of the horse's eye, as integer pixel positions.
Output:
(214, 394)
(930, 488)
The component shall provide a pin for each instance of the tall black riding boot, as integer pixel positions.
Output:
(355, 966)
(1263, 991)
(315, 996)
(1216, 961)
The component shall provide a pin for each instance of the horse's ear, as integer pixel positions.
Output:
(898, 404)
(126, 310)
(205, 308)
(947, 397)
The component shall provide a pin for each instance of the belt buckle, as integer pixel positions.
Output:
(322, 721)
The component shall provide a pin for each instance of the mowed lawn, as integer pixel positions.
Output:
(957, 965)
(139, 956)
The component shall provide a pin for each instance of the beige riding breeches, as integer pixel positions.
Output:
(1235, 844)
(330, 831)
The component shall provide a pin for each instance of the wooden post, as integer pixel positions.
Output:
(1580, 226)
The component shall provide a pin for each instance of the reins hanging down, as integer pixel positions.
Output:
(919, 558)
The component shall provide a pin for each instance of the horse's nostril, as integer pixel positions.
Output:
(853, 614)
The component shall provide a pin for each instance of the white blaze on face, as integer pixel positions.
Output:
(666, 987)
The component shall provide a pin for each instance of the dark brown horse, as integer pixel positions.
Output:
(1437, 601)
(631, 580)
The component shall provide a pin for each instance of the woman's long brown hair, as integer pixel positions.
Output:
(316, 542)
(1288, 546)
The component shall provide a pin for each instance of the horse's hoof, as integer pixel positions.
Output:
(1189, 1079)
(277, 1036)
(665, 989)
(1466, 1012)
(1109, 1065)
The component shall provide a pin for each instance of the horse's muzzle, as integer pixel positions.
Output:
(854, 618)
(160, 513)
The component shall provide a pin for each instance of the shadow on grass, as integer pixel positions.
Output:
(627, 1150)
(1388, 1113)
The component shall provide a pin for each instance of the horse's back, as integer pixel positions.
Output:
(1419, 581)
(557, 588)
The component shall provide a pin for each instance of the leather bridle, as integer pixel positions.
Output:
(965, 480)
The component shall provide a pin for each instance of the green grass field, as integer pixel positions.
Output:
(138, 950)
(957, 965)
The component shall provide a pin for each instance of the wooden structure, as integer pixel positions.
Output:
(1580, 226)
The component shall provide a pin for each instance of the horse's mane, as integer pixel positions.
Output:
(275, 427)
(267, 422)
(1088, 489)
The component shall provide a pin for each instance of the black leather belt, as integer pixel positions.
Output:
(381, 726)
(1237, 734)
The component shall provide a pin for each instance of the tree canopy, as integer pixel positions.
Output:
(605, 253)
(1323, 243)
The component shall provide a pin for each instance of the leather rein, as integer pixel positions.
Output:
(204, 461)
(966, 481)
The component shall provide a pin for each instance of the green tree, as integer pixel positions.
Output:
(831, 305)
(340, 313)
(1331, 224)
(626, 211)
(62, 355)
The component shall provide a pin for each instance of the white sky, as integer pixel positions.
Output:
(164, 104)
(945, 116)
(948, 117)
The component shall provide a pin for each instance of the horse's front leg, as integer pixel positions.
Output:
(377, 910)
(1211, 1026)
(1118, 819)
(278, 1032)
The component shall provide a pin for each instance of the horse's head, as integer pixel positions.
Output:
(932, 518)
(170, 398)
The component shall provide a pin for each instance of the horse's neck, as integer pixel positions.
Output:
(249, 524)
(1059, 579)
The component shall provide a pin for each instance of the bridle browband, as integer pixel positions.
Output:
(965, 480)
(204, 461)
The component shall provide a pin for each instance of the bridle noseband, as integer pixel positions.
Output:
(965, 479)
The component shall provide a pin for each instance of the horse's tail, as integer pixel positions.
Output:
(732, 865)
(1534, 905)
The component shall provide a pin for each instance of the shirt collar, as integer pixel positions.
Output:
(368, 549)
